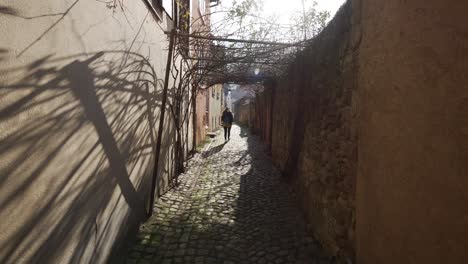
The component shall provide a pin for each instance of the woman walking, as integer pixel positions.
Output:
(227, 120)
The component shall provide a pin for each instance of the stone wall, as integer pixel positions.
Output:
(312, 133)
(314, 139)
(243, 111)
(80, 98)
(264, 113)
(370, 126)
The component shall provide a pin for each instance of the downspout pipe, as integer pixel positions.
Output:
(161, 123)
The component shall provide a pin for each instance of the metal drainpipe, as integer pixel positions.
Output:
(161, 122)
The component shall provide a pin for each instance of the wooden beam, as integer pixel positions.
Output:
(236, 61)
(238, 40)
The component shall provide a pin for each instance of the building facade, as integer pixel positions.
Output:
(80, 103)
(202, 116)
(215, 106)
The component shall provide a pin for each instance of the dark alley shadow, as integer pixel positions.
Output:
(244, 131)
(80, 137)
(238, 211)
(213, 150)
(268, 212)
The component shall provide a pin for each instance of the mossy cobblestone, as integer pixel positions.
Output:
(230, 207)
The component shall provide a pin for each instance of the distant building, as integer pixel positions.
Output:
(215, 106)
(202, 115)
(244, 110)
(227, 89)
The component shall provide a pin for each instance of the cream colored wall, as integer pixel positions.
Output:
(215, 107)
(196, 14)
(80, 91)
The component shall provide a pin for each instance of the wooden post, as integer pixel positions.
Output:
(272, 109)
(161, 121)
(194, 118)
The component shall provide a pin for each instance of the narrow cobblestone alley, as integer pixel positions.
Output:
(230, 207)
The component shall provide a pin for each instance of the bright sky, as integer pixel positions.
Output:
(284, 9)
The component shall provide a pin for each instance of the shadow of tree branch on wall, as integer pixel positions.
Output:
(13, 12)
(77, 147)
(7, 10)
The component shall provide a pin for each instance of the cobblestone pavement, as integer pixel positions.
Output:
(230, 207)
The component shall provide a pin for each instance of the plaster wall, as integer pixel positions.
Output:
(199, 20)
(202, 115)
(80, 93)
(215, 109)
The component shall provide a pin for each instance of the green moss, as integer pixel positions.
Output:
(202, 145)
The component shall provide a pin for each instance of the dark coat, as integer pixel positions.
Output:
(227, 118)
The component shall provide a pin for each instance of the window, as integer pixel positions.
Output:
(157, 7)
(168, 6)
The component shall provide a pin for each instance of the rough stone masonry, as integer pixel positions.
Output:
(314, 134)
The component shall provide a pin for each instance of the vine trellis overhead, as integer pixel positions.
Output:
(200, 58)
(216, 60)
